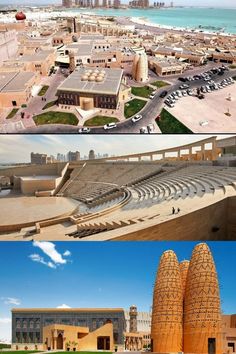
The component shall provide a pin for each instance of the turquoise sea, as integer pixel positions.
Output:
(210, 19)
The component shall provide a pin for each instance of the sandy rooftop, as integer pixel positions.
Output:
(191, 111)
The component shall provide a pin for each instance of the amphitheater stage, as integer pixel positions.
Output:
(22, 211)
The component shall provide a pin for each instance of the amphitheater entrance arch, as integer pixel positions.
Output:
(60, 341)
(211, 345)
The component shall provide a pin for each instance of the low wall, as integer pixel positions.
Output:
(22, 346)
(214, 222)
(30, 170)
(30, 186)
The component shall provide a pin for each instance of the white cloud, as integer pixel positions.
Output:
(37, 258)
(11, 301)
(49, 249)
(67, 253)
(63, 306)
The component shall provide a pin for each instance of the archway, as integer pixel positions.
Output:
(60, 341)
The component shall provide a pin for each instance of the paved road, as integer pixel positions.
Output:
(149, 112)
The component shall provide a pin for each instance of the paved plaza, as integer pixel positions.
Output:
(210, 111)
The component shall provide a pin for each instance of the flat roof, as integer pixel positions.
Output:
(109, 85)
(163, 63)
(36, 56)
(81, 48)
(91, 37)
(14, 81)
(18, 310)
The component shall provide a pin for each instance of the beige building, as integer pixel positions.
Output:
(40, 62)
(16, 87)
(104, 27)
(91, 88)
(181, 53)
(228, 56)
(229, 333)
(64, 337)
(165, 67)
(100, 53)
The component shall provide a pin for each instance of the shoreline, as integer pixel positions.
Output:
(146, 22)
(142, 21)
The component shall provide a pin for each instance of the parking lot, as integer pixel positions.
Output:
(208, 115)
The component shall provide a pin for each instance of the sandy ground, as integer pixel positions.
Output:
(191, 111)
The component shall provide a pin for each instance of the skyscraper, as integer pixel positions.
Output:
(73, 156)
(67, 3)
(91, 155)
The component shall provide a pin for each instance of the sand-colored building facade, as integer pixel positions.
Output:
(64, 337)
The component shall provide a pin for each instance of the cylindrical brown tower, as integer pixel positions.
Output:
(202, 314)
(167, 310)
(184, 265)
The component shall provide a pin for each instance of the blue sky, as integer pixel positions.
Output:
(17, 148)
(92, 274)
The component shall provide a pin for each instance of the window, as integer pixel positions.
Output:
(18, 324)
(31, 326)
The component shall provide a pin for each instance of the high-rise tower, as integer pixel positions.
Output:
(167, 310)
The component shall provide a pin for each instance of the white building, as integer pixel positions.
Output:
(143, 321)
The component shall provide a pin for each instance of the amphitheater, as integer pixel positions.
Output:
(125, 197)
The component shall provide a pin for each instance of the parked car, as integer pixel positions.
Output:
(169, 104)
(136, 118)
(163, 94)
(84, 130)
(150, 128)
(201, 97)
(110, 126)
(184, 86)
(143, 130)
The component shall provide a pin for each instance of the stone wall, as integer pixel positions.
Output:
(214, 222)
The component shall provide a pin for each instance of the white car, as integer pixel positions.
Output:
(179, 93)
(110, 126)
(151, 96)
(203, 123)
(136, 118)
(184, 86)
(84, 130)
